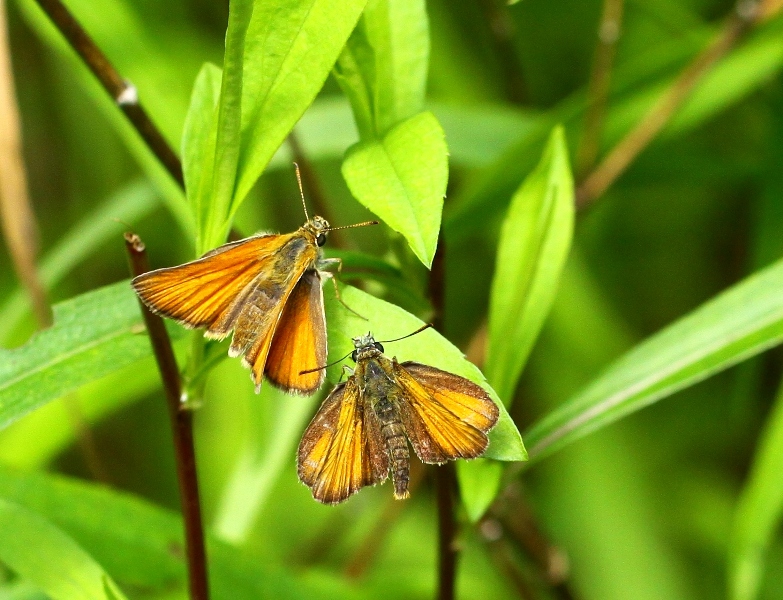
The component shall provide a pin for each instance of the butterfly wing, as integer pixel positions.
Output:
(208, 292)
(445, 416)
(299, 342)
(264, 302)
(342, 450)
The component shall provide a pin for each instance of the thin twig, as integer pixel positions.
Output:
(598, 87)
(18, 219)
(447, 531)
(444, 475)
(122, 92)
(182, 430)
(626, 151)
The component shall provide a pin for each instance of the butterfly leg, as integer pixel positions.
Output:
(339, 262)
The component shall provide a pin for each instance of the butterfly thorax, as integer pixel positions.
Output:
(380, 391)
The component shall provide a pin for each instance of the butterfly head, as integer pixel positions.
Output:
(365, 346)
(318, 228)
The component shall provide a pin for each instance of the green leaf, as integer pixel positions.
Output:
(290, 48)
(398, 32)
(64, 571)
(141, 545)
(739, 323)
(759, 510)
(387, 321)
(533, 247)
(479, 483)
(402, 179)
(219, 177)
(93, 335)
(383, 68)
(129, 204)
(199, 137)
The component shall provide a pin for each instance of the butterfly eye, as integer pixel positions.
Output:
(321, 239)
(354, 356)
(378, 346)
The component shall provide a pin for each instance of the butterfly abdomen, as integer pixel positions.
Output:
(393, 434)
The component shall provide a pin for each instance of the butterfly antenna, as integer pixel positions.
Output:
(331, 364)
(354, 225)
(301, 190)
(419, 330)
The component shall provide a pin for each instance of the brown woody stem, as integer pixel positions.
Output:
(181, 428)
(123, 92)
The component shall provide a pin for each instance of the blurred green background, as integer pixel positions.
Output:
(643, 509)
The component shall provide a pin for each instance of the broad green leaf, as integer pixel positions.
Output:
(532, 250)
(290, 49)
(402, 179)
(387, 321)
(43, 554)
(218, 181)
(398, 32)
(477, 135)
(759, 510)
(198, 135)
(128, 204)
(141, 545)
(93, 335)
(739, 323)
(383, 68)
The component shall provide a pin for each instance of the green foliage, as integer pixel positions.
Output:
(64, 570)
(669, 286)
(737, 324)
(533, 247)
(399, 169)
(94, 334)
(759, 510)
(402, 179)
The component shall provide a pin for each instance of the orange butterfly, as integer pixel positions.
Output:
(361, 432)
(267, 289)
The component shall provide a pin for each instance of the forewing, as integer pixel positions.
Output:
(299, 342)
(341, 450)
(445, 416)
(264, 301)
(207, 292)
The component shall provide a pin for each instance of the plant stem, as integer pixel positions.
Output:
(598, 88)
(124, 93)
(444, 474)
(626, 151)
(182, 431)
(16, 213)
(447, 531)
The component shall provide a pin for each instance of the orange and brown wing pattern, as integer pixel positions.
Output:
(299, 342)
(342, 450)
(208, 292)
(445, 416)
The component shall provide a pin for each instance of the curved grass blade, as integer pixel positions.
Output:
(739, 323)
(759, 510)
